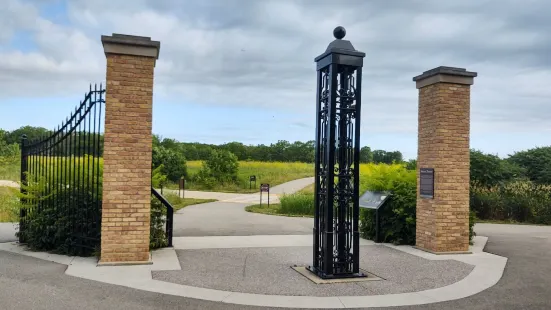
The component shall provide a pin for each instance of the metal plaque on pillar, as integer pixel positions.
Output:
(426, 183)
(337, 152)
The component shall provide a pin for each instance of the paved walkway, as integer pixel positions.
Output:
(7, 232)
(229, 218)
(28, 283)
(275, 193)
(5, 183)
(526, 282)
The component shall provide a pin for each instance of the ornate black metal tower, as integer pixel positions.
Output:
(337, 160)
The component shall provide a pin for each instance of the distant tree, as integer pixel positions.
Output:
(536, 162)
(411, 164)
(221, 166)
(173, 162)
(170, 144)
(157, 140)
(33, 133)
(237, 148)
(489, 170)
(366, 156)
(379, 156)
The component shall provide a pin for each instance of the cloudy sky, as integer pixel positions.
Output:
(240, 70)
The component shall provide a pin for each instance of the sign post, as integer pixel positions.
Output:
(374, 200)
(264, 187)
(251, 179)
(182, 188)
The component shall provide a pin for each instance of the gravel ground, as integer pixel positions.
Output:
(267, 271)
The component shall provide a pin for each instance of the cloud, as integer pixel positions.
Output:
(260, 54)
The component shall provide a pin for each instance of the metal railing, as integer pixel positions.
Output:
(169, 214)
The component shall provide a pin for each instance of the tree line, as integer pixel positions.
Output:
(282, 151)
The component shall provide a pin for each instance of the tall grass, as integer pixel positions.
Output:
(82, 171)
(9, 205)
(273, 173)
(517, 201)
(10, 168)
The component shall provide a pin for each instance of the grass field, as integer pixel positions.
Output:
(273, 209)
(9, 169)
(274, 173)
(8, 205)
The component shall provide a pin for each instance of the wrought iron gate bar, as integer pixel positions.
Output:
(62, 169)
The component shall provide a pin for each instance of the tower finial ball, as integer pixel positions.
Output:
(339, 32)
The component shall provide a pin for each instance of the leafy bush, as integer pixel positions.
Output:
(173, 162)
(157, 236)
(56, 224)
(297, 204)
(397, 217)
(158, 179)
(489, 170)
(537, 162)
(220, 167)
(519, 201)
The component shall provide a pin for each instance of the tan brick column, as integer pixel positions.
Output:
(443, 145)
(127, 149)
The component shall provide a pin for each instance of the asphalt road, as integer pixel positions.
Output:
(526, 282)
(28, 283)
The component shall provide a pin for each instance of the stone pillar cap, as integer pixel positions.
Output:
(124, 44)
(445, 74)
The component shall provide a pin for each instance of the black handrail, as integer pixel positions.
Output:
(169, 214)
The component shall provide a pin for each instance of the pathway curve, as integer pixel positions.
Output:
(7, 183)
(227, 217)
(525, 284)
(275, 193)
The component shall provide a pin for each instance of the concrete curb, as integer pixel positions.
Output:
(486, 273)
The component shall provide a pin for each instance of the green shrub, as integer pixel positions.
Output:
(536, 162)
(396, 217)
(297, 204)
(519, 201)
(489, 170)
(157, 236)
(173, 162)
(221, 167)
(158, 179)
(56, 224)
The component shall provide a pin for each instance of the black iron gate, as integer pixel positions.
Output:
(61, 176)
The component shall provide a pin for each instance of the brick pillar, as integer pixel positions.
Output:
(443, 152)
(127, 149)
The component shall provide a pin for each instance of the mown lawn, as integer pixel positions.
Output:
(273, 173)
(273, 209)
(180, 203)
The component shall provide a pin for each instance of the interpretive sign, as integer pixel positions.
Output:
(373, 200)
(252, 179)
(264, 187)
(182, 188)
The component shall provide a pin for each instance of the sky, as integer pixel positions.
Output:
(243, 70)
